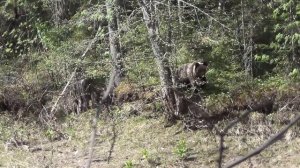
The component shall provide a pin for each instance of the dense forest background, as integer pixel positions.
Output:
(120, 51)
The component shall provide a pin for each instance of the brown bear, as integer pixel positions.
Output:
(192, 74)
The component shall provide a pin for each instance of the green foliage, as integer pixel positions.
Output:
(224, 80)
(262, 58)
(142, 72)
(19, 32)
(52, 37)
(83, 22)
(183, 55)
(287, 39)
(181, 149)
(139, 63)
(129, 164)
(223, 56)
(273, 82)
(295, 75)
(145, 153)
(50, 134)
(158, 106)
(216, 102)
(45, 52)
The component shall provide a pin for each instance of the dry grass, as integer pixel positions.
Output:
(145, 142)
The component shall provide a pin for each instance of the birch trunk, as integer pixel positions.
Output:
(161, 61)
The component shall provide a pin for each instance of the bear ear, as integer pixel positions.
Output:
(195, 66)
(203, 62)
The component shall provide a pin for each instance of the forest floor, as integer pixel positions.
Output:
(128, 140)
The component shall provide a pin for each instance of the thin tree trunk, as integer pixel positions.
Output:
(251, 47)
(221, 5)
(60, 11)
(161, 61)
(114, 42)
(117, 72)
(294, 48)
(179, 12)
(178, 100)
(246, 59)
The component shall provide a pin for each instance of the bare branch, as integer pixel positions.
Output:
(224, 132)
(208, 15)
(269, 142)
(288, 103)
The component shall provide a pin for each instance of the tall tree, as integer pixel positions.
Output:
(112, 7)
(60, 11)
(247, 43)
(287, 14)
(168, 94)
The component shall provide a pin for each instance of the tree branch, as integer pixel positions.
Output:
(224, 132)
(269, 142)
(208, 15)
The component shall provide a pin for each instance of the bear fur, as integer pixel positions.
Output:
(192, 74)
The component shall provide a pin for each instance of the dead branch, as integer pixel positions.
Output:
(208, 15)
(223, 133)
(265, 145)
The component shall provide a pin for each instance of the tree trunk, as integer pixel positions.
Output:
(294, 47)
(116, 73)
(114, 42)
(247, 50)
(179, 13)
(221, 5)
(59, 8)
(162, 62)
